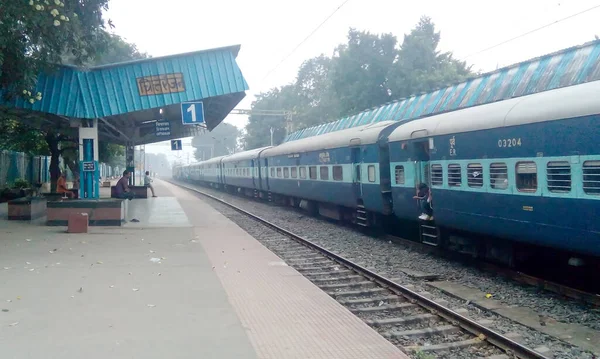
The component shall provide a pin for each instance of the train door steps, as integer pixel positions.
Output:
(361, 216)
(573, 333)
(428, 233)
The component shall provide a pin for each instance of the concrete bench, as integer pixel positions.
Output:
(101, 212)
(26, 208)
(52, 196)
(138, 191)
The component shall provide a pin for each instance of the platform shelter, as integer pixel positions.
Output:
(135, 103)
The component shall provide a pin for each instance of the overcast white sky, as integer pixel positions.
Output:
(268, 30)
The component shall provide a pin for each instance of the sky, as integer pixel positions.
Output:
(268, 30)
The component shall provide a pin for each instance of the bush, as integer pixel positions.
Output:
(21, 183)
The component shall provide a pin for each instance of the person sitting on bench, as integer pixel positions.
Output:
(122, 188)
(61, 186)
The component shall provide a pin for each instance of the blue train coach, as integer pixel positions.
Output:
(526, 170)
(341, 175)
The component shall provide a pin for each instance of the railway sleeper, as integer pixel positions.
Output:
(335, 279)
(384, 307)
(404, 320)
(352, 293)
(301, 261)
(423, 333)
(330, 273)
(365, 283)
(389, 299)
(447, 346)
(302, 256)
(313, 268)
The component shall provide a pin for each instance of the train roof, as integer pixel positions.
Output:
(246, 155)
(212, 160)
(567, 102)
(362, 135)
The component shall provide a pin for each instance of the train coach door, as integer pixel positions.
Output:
(421, 156)
(266, 167)
(253, 173)
(356, 160)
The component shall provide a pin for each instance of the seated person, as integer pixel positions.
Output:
(122, 188)
(61, 186)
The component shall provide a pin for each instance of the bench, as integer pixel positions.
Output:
(52, 196)
(138, 191)
(101, 212)
(26, 208)
(106, 184)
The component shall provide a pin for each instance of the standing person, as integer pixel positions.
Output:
(122, 188)
(424, 198)
(147, 182)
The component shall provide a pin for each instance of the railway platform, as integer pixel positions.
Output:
(183, 282)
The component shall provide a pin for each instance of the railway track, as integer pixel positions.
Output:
(422, 327)
(517, 276)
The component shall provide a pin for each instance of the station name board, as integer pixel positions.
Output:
(161, 84)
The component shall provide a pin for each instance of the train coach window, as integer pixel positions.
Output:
(286, 172)
(498, 176)
(324, 173)
(302, 172)
(591, 177)
(475, 175)
(279, 172)
(371, 173)
(338, 173)
(437, 175)
(312, 172)
(400, 179)
(526, 176)
(272, 172)
(559, 176)
(454, 175)
(294, 172)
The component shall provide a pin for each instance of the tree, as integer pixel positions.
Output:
(420, 66)
(360, 71)
(367, 71)
(35, 34)
(222, 140)
(258, 129)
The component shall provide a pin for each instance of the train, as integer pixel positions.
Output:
(508, 180)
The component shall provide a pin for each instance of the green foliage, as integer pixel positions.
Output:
(21, 183)
(111, 153)
(35, 34)
(115, 50)
(258, 129)
(18, 137)
(367, 71)
(222, 140)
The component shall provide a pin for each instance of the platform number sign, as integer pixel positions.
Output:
(175, 145)
(192, 113)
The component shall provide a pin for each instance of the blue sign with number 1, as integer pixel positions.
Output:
(192, 113)
(175, 145)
